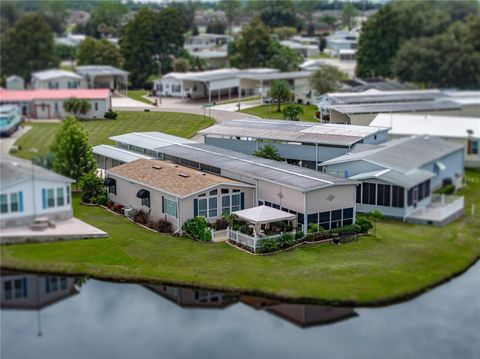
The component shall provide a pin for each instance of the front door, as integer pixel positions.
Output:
(415, 196)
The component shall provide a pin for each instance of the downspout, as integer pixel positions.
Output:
(305, 225)
(178, 217)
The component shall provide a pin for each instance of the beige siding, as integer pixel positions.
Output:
(331, 198)
(292, 199)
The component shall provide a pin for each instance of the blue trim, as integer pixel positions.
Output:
(47, 284)
(20, 201)
(24, 280)
(44, 198)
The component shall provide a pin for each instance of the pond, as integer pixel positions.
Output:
(59, 317)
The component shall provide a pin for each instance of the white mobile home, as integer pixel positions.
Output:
(57, 79)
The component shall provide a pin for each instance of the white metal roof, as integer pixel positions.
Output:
(118, 154)
(54, 74)
(150, 140)
(215, 75)
(99, 70)
(264, 214)
(442, 126)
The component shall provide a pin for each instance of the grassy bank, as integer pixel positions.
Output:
(138, 95)
(270, 112)
(41, 135)
(403, 260)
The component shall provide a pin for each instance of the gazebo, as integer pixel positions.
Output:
(264, 215)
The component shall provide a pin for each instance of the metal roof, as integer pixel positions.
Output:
(255, 167)
(406, 180)
(306, 132)
(277, 75)
(14, 170)
(376, 96)
(220, 74)
(54, 74)
(8, 108)
(150, 140)
(118, 154)
(396, 107)
(442, 126)
(235, 162)
(404, 155)
(99, 70)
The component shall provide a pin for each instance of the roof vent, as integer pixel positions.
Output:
(184, 175)
(156, 167)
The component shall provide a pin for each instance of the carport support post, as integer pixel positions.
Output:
(239, 95)
(218, 95)
(229, 93)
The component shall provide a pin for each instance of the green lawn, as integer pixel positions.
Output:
(404, 259)
(41, 135)
(270, 112)
(138, 95)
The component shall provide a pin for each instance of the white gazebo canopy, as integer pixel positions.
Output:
(263, 215)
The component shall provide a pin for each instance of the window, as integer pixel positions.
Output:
(112, 188)
(359, 193)
(324, 220)
(3, 203)
(212, 207)
(236, 202)
(472, 147)
(268, 204)
(397, 197)
(146, 201)
(63, 282)
(68, 194)
(410, 197)
(203, 207)
(225, 204)
(383, 195)
(7, 289)
(13, 202)
(368, 193)
(96, 106)
(312, 219)
(169, 207)
(50, 198)
(213, 193)
(347, 216)
(60, 197)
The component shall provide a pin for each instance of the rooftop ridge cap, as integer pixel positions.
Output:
(243, 160)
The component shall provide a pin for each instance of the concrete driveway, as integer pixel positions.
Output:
(6, 143)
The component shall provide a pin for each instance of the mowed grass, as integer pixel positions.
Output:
(270, 112)
(41, 136)
(402, 260)
(138, 95)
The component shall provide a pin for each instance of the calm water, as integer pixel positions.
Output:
(50, 317)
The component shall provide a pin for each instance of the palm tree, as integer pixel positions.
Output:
(268, 151)
(280, 91)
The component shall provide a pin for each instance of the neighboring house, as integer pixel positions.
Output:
(104, 77)
(209, 85)
(206, 42)
(48, 104)
(57, 79)
(176, 193)
(214, 59)
(462, 130)
(360, 108)
(299, 143)
(303, 49)
(347, 54)
(306, 40)
(34, 292)
(28, 191)
(15, 83)
(341, 40)
(399, 176)
(348, 67)
(313, 196)
(374, 83)
(10, 119)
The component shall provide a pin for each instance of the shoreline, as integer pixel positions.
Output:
(257, 293)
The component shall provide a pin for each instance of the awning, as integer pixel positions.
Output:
(110, 182)
(143, 193)
(264, 214)
(440, 165)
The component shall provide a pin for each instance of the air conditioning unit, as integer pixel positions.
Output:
(129, 212)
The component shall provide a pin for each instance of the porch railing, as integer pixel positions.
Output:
(246, 240)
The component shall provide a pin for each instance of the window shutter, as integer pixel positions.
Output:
(20, 201)
(47, 284)
(24, 280)
(195, 207)
(44, 198)
(242, 200)
(163, 204)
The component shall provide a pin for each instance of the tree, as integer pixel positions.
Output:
(268, 151)
(327, 79)
(76, 106)
(86, 51)
(279, 13)
(149, 43)
(292, 112)
(92, 187)
(181, 65)
(98, 52)
(280, 91)
(65, 52)
(27, 47)
(285, 32)
(216, 26)
(72, 152)
(375, 216)
(106, 19)
(349, 12)
(283, 58)
(230, 7)
(9, 14)
(55, 14)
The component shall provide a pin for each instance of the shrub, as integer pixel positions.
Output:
(110, 114)
(298, 235)
(364, 224)
(220, 224)
(268, 246)
(141, 217)
(350, 229)
(102, 199)
(448, 189)
(162, 225)
(197, 228)
(313, 228)
(309, 237)
(118, 208)
(92, 187)
(286, 240)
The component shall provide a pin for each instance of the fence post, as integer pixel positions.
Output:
(254, 244)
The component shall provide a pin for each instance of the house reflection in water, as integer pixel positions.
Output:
(33, 292)
(193, 298)
(302, 315)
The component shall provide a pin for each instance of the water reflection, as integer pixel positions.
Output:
(24, 291)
